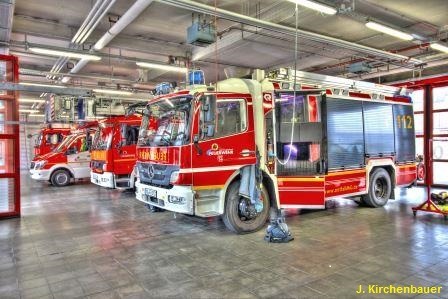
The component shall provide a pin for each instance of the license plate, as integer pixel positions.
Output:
(151, 192)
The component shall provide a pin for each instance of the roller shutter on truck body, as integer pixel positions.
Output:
(359, 129)
(404, 133)
(345, 133)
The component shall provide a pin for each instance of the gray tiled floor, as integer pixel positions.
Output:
(85, 241)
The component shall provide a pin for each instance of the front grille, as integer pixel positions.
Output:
(32, 165)
(161, 173)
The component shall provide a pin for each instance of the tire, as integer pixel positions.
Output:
(60, 178)
(380, 189)
(231, 215)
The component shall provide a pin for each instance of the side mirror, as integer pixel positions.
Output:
(196, 139)
(210, 130)
(209, 108)
(196, 145)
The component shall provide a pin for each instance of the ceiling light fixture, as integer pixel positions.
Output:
(164, 67)
(439, 47)
(42, 85)
(51, 52)
(113, 91)
(28, 110)
(389, 31)
(28, 100)
(316, 6)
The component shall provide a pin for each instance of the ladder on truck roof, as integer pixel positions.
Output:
(324, 81)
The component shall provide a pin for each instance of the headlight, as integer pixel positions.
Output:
(174, 177)
(40, 165)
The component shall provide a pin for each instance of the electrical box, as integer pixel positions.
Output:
(201, 34)
(359, 68)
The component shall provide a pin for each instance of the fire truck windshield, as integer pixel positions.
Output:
(166, 122)
(103, 138)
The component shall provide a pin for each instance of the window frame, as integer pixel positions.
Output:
(246, 116)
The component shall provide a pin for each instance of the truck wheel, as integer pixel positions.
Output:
(60, 178)
(380, 189)
(233, 217)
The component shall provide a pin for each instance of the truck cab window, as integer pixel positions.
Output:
(130, 134)
(230, 117)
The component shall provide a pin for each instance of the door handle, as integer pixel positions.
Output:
(246, 153)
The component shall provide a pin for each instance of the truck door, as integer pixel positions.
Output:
(79, 157)
(299, 143)
(127, 148)
(225, 140)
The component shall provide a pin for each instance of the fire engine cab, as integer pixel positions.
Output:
(285, 140)
(70, 160)
(48, 139)
(113, 152)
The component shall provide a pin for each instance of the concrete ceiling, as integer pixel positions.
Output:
(160, 31)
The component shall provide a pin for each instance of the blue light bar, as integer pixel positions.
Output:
(196, 77)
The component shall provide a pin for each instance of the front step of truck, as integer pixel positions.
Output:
(122, 183)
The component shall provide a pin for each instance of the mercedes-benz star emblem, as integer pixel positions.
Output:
(151, 171)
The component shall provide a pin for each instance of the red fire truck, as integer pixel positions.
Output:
(48, 139)
(298, 138)
(113, 152)
(70, 160)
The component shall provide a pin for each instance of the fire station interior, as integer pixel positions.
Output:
(223, 149)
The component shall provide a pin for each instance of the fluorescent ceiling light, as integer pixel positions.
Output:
(51, 52)
(113, 91)
(28, 100)
(28, 110)
(389, 31)
(164, 67)
(439, 47)
(316, 6)
(37, 114)
(42, 85)
(65, 79)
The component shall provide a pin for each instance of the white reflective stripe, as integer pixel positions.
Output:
(207, 169)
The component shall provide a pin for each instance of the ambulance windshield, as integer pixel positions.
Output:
(166, 122)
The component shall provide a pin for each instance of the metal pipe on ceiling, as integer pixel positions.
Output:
(31, 72)
(239, 18)
(129, 16)
(98, 11)
(81, 31)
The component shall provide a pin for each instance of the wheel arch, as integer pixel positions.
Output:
(267, 182)
(62, 167)
(386, 164)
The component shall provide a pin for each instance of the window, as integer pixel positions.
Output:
(129, 134)
(83, 144)
(440, 98)
(440, 123)
(418, 100)
(230, 117)
(419, 125)
(53, 139)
